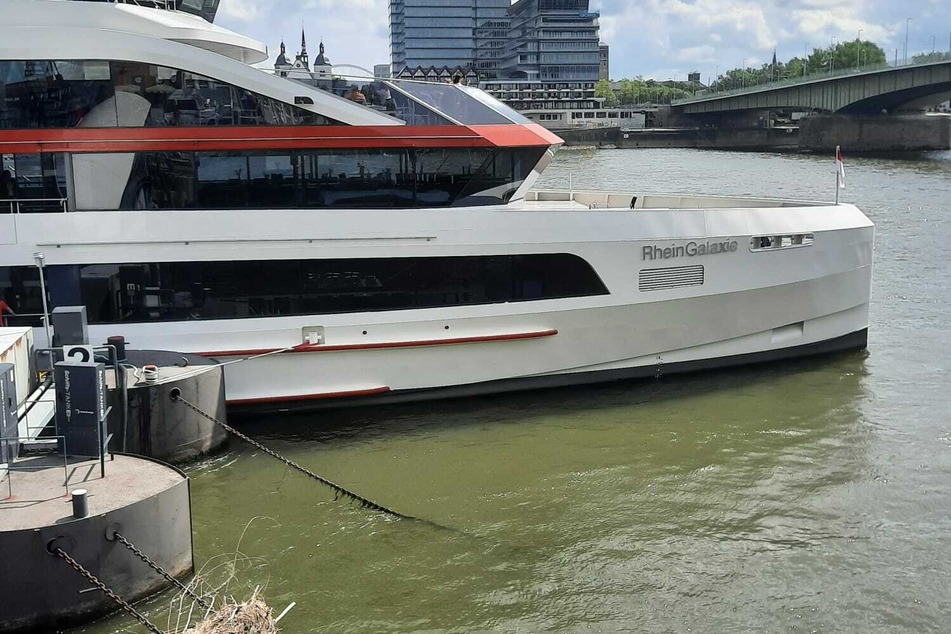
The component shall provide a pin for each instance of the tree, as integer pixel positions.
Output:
(924, 58)
(603, 90)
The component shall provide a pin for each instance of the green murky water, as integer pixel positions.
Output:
(799, 497)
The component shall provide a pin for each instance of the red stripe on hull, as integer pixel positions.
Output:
(184, 139)
(387, 345)
(296, 398)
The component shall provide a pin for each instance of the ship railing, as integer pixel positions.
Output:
(24, 320)
(168, 5)
(32, 205)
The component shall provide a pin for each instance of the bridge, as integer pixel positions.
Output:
(863, 92)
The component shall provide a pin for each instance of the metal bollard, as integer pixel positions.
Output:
(80, 504)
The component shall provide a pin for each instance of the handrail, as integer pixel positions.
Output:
(10, 467)
(15, 205)
(168, 5)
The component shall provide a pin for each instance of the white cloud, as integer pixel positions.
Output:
(654, 38)
(244, 11)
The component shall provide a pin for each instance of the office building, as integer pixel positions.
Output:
(445, 33)
(604, 62)
(542, 57)
(552, 40)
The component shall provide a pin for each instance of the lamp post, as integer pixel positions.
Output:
(858, 50)
(805, 58)
(907, 23)
(40, 260)
(831, 56)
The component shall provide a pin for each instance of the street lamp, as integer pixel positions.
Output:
(831, 56)
(907, 22)
(805, 58)
(40, 260)
(858, 51)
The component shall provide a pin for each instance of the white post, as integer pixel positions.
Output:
(40, 261)
(837, 175)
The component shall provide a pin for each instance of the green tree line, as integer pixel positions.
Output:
(843, 56)
(854, 55)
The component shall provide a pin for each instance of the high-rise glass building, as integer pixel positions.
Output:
(541, 57)
(552, 40)
(449, 33)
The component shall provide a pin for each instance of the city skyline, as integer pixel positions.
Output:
(660, 39)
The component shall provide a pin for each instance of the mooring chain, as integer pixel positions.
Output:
(340, 491)
(75, 565)
(157, 568)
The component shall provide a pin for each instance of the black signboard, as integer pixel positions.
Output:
(81, 406)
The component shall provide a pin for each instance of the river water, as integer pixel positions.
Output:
(800, 497)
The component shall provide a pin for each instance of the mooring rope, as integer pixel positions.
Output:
(339, 491)
(91, 578)
(157, 568)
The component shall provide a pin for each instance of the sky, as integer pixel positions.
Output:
(660, 39)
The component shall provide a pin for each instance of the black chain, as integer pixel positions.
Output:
(157, 568)
(109, 593)
(340, 491)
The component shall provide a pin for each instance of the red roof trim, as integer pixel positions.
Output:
(386, 345)
(183, 139)
(294, 398)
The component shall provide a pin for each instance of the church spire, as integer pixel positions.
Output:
(303, 48)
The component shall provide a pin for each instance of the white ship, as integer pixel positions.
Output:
(192, 202)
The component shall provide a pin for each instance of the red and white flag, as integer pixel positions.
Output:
(840, 167)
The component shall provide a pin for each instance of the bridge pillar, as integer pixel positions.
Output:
(892, 133)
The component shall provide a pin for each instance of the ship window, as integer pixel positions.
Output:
(774, 243)
(20, 289)
(32, 183)
(371, 178)
(179, 291)
(102, 94)
(50, 94)
(158, 96)
(452, 101)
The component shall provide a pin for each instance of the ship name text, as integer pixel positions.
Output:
(689, 250)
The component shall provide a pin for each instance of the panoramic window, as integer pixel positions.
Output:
(31, 183)
(178, 291)
(372, 178)
(99, 94)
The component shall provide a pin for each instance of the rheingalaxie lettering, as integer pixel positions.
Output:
(688, 250)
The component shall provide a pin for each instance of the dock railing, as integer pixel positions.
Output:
(7, 468)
